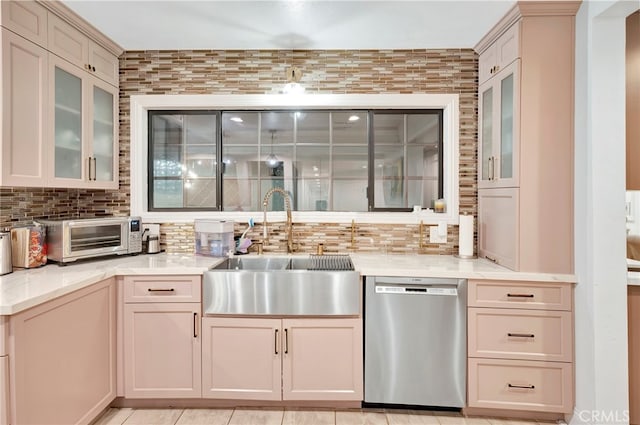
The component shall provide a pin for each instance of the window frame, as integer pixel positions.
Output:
(449, 103)
(370, 143)
(218, 169)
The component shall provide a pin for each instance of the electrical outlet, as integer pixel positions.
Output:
(437, 237)
(150, 229)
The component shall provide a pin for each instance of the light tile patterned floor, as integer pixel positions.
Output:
(127, 416)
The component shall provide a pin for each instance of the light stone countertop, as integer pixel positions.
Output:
(24, 289)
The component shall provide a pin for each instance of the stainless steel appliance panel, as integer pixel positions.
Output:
(415, 341)
(75, 239)
(281, 292)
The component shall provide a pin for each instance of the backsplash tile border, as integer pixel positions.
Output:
(262, 72)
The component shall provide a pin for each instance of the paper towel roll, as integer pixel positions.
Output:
(465, 240)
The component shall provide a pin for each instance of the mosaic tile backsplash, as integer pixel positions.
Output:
(263, 72)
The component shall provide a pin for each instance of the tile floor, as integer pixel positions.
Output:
(126, 416)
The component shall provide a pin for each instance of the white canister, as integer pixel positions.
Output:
(5, 253)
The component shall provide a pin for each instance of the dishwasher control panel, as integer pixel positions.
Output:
(416, 290)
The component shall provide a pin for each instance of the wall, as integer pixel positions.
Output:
(22, 205)
(600, 295)
(263, 72)
(337, 72)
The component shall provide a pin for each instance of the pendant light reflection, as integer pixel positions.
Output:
(293, 87)
(272, 160)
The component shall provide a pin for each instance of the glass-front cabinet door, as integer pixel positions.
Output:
(84, 152)
(104, 154)
(498, 129)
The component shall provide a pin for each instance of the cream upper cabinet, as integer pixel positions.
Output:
(526, 139)
(83, 128)
(72, 45)
(24, 112)
(27, 19)
(498, 129)
(59, 100)
(505, 50)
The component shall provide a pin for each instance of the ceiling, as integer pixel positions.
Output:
(292, 24)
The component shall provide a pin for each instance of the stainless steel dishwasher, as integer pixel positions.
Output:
(415, 341)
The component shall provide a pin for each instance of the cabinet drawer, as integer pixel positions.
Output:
(169, 289)
(521, 385)
(520, 334)
(26, 18)
(514, 294)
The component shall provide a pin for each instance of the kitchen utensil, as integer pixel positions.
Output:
(247, 230)
(153, 244)
(5, 253)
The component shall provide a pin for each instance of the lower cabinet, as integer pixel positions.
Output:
(162, 350)
(161, 344)
(4, 390)
(520, 346)
(62, 358)
(282, 359)
(521, 385)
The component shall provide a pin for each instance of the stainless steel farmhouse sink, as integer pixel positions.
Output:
(283, 286)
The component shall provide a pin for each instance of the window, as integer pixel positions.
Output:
(343, 160)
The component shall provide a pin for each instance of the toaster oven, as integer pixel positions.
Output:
(77, 239)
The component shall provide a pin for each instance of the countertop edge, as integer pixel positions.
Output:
(181, 264)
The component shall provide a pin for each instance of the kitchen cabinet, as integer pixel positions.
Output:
(24, 111)
(162, 345)
(322, 359)
(4, 371)
(27, 19)
(633, 311)
(241, 358)
(499, 138)
(4, 390)
(499, 54)
(72, 45)
(59, 117)
(83, 128)
(282, 359)
(526, 139)
(520, 346)
(62, 357)
(498, 226)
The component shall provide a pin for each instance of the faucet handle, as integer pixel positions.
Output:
(259, 245)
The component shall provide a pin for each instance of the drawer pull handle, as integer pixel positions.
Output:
(161, 290)
(520, 295)
(515, 335)
(195, 325)
(286, 341)
(523, 387)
